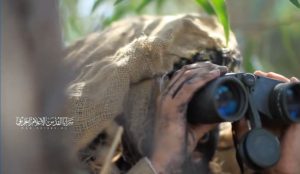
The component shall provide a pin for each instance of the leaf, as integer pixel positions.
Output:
(289, 48)
(118, 1)
(96, 4)
(220, 9)
(74, 25)
(117, 15)
(247, 57)
(159, 5)
(296, 3)
(206, 6)
(142, 5)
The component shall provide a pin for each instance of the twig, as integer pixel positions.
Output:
(107, 165)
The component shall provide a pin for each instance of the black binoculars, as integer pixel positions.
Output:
(227, 99)
(237, 95)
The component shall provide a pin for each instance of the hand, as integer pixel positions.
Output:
(289, 162)
(171, 126)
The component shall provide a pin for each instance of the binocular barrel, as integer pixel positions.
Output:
(285, 102)
(226, 99)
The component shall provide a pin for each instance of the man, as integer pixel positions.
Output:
(172, 113)
(122, 78)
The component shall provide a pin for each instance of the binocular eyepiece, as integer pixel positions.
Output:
(226, 99)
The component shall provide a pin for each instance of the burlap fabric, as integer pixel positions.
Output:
(119, 71)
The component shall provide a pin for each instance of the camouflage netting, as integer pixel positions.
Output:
(119, 70)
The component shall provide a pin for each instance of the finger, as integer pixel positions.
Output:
(240, 128)
(205, 66)
(260, 73)
(178, 75)
(189, 74)
(272, 75)
(277, 77)
(294, 80)
(187, 90)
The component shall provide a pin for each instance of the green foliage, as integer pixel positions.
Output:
(218, 8)
(71, 25)
(159, 5)
(96, 4)
(267, 31)
(142, 5)
(118, 14)
(221, 11)
(248, 57)
(118, 1)
(296, 3)
(120, 10)
(206, 6)
(212, 7)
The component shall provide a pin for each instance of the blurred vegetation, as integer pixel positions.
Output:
(268, 31)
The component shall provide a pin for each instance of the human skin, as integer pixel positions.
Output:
(171, 127)
(170, 146)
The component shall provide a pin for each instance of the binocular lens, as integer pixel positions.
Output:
(285, 102)
(293, 103)
(226, 101)
(223, 99)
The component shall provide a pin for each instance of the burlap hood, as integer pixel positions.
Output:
(118, 70)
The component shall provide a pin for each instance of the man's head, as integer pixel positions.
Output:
(121, 69)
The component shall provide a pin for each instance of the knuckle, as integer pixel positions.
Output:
(294, 79)
(188, 73)
(185, 67)
(177, 72)
(194, 65)
(209, 64)
(271, 73)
